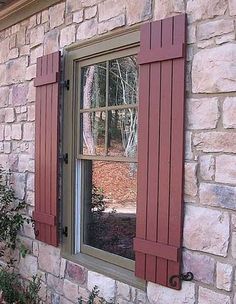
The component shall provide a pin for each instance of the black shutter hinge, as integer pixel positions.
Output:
(183, 277)
(65, 231)
(64, 158)
(66, 84)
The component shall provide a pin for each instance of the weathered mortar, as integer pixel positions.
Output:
(210, 175)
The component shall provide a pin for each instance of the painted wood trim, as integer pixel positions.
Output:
(22, 9)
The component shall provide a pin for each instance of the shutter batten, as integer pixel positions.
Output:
(161, 150)
(46, 148)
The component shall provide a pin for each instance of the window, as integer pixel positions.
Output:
(107, 156)
(102, 211)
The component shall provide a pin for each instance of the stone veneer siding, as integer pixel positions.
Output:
(210, 167)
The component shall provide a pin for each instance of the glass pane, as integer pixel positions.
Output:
(123, 78)
(93, 130)
(110, 206)
(122, 139)
(93, 86)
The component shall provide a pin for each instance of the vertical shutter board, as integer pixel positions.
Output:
(177, 152)
(143, 153)
(152, 207)
(164, 147)
(47, 95)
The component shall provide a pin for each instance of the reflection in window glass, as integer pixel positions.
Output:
(122, 137)
(123, 78)
(93, 130)
(110, 206)
(93, 88)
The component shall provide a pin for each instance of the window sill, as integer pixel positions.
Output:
(107, 269)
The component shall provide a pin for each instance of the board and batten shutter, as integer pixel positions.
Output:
(47, 83)
(161, 151)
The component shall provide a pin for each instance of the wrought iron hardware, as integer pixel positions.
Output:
(36, 231)
(64, 158)
(65, 231)
(183, 277)
(67, 84)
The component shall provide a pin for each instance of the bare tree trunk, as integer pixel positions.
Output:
(87, 124)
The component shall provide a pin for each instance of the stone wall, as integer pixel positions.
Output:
(210, 168)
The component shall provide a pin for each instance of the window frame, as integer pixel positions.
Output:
(119, 41)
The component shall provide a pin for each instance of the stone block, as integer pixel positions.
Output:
(202, 113)
(218, 195)
(30, 72)
(4, 96)
(206, 230)
(67, 35)
(16, 131)
(28, 131)
(15, 70)
(9, 115)
(31, 113)
(78, 16)
(207, 167)
(224, 276)
(232, 7)
(202, 266)
(62, 268)
(4, 50)
(13, 53)
(165, 9)
(28, 266)
(49, 259)
(215, 28)
(30, 182)
(234, 245)
(215, 142)
(123, 291)
(225, 169)
(212, 70)
(51, 41)
(138, 10)
(105, 285)
(75, 272)
(36, 35)
(90, 12)
(229, 112)
(190, 182)
(18, 182)
(56, 15)
(110, 9)
(111, 24)
(35, 53)
(70, 291)
(188, 145)
(205, 9)
(73, 5)
(158, 294)
(55, 283)
(207, 296)
(87, 29)
(18, 94)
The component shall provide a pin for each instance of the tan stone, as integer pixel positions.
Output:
(214, 70)
(30, 72)
(111, 24)
(56, 15)
(15, 70)
(36, 53)
(229, 112)
(18, 94)
(110, 8)
(78, 16)
(202, 113)
(4, 96)
(32, 92)
(67, 35)
(218, 195)
(104, 284)
(73, 5)
(36, 35)
(9, 115)
(45, 16)
(16, 131)
(207, 167)
(4, 50)
(87, 29)
(31, 113)
(232, 7)
(28, 266)
(188, 145)
(123, 291)
(190, 184)
(28, 131)
(49, 259)
(51, 42)
(191, 33)
(70, 290)
(13, 53)
(165, 8)
(215, 28)
(158, 294)
(224, 276)
(138, 10)
(205, 9)
(225, 169)
(90, 12)
(206, 230)
(207, 296)
(55, 283)
(234, 245)
(215, 142)
(18, 180)
(201, 265)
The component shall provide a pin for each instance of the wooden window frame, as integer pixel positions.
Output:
(123, 43)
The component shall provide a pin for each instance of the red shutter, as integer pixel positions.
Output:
(46, 148)
(161, 150)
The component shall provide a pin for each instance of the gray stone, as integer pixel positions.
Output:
(207, 296)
